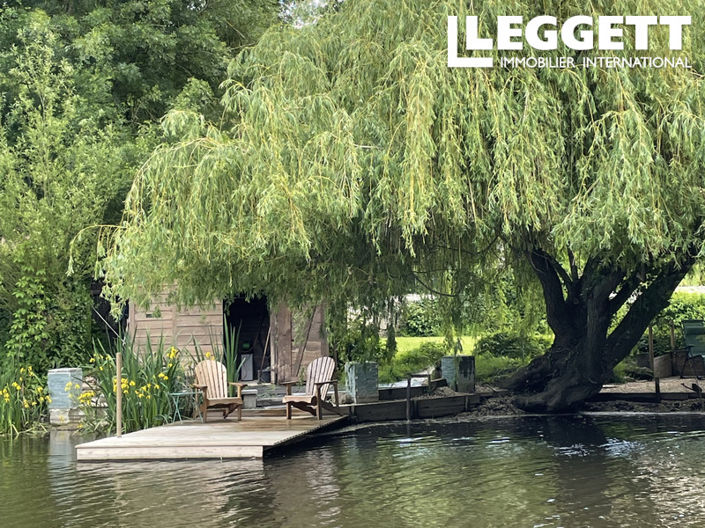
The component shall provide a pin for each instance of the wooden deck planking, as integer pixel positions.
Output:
(249, 438)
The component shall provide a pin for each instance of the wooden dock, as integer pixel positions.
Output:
(252, 437)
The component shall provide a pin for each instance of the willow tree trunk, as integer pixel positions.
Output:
(580, 310)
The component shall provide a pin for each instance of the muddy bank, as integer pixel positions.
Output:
(665, 406)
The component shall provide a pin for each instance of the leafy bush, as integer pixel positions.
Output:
(360, 341)
(23, 399)
(50, 324)
(509, 345)
(421, 318)
(682, 306)
(415, 360)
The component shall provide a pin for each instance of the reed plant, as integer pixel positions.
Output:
(149, 374)
(24, 399)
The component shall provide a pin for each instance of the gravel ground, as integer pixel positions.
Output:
(672, 384)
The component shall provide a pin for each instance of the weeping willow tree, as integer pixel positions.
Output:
(350, 162)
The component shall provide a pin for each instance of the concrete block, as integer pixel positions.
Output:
(361, 381)
(249, 398)
(65, 418)
(662, 366)
(57, 380)
(682, 365)
(459, 371)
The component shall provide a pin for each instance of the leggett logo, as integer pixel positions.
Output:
(576, 33)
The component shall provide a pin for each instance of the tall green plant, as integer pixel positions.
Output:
(24, 399)
(149, 374)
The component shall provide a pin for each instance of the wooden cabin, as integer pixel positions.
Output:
(276, 346)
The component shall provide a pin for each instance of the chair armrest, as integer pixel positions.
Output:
(288, 385)
(203, 389)
(319, 384)
(239, 386)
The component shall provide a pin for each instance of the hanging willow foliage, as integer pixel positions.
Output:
(349, 159)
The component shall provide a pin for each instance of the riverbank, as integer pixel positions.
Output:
(677, 395)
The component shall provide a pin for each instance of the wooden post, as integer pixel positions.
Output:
(673, 338)
(408, 398)
(651, 347)
(118, 394)
(657, 385)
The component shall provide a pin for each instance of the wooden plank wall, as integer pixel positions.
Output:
(202, 324)
(293, 331)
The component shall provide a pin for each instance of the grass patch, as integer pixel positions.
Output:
(489, 368)
(405, 344)
(416, 354)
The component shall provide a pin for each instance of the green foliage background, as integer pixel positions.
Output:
(83, 86)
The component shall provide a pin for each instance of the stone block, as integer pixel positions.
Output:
(361, 381)
(57, 380)
(662, 366)
(682, 365)
(459, 372)
(249, 398)
(65, 418)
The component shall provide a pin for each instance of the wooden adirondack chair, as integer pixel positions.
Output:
(211, 379)
(319, 376)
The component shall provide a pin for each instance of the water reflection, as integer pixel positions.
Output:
(542, 471)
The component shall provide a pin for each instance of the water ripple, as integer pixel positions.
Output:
(541, 471)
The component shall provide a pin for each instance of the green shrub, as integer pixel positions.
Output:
(681, 307)
(421, 318)
(360, 341)
(415, 360)
(50, 324)
(509, 345)
(148, 376)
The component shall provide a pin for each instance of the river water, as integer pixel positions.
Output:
(600, 471)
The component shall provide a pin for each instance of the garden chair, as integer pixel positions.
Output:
(694, 340)
(211, 379)
(319, 376)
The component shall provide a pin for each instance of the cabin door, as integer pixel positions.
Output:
(252, 319)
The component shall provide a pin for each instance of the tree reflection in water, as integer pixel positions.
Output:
(531, 471)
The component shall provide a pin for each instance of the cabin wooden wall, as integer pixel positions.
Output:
(300, 338)
(289, 333)
(202, 324)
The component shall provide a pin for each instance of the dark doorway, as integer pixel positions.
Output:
(252, 318)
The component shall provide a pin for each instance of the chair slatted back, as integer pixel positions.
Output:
(320, 369)
(214, 375)
(694, 336)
